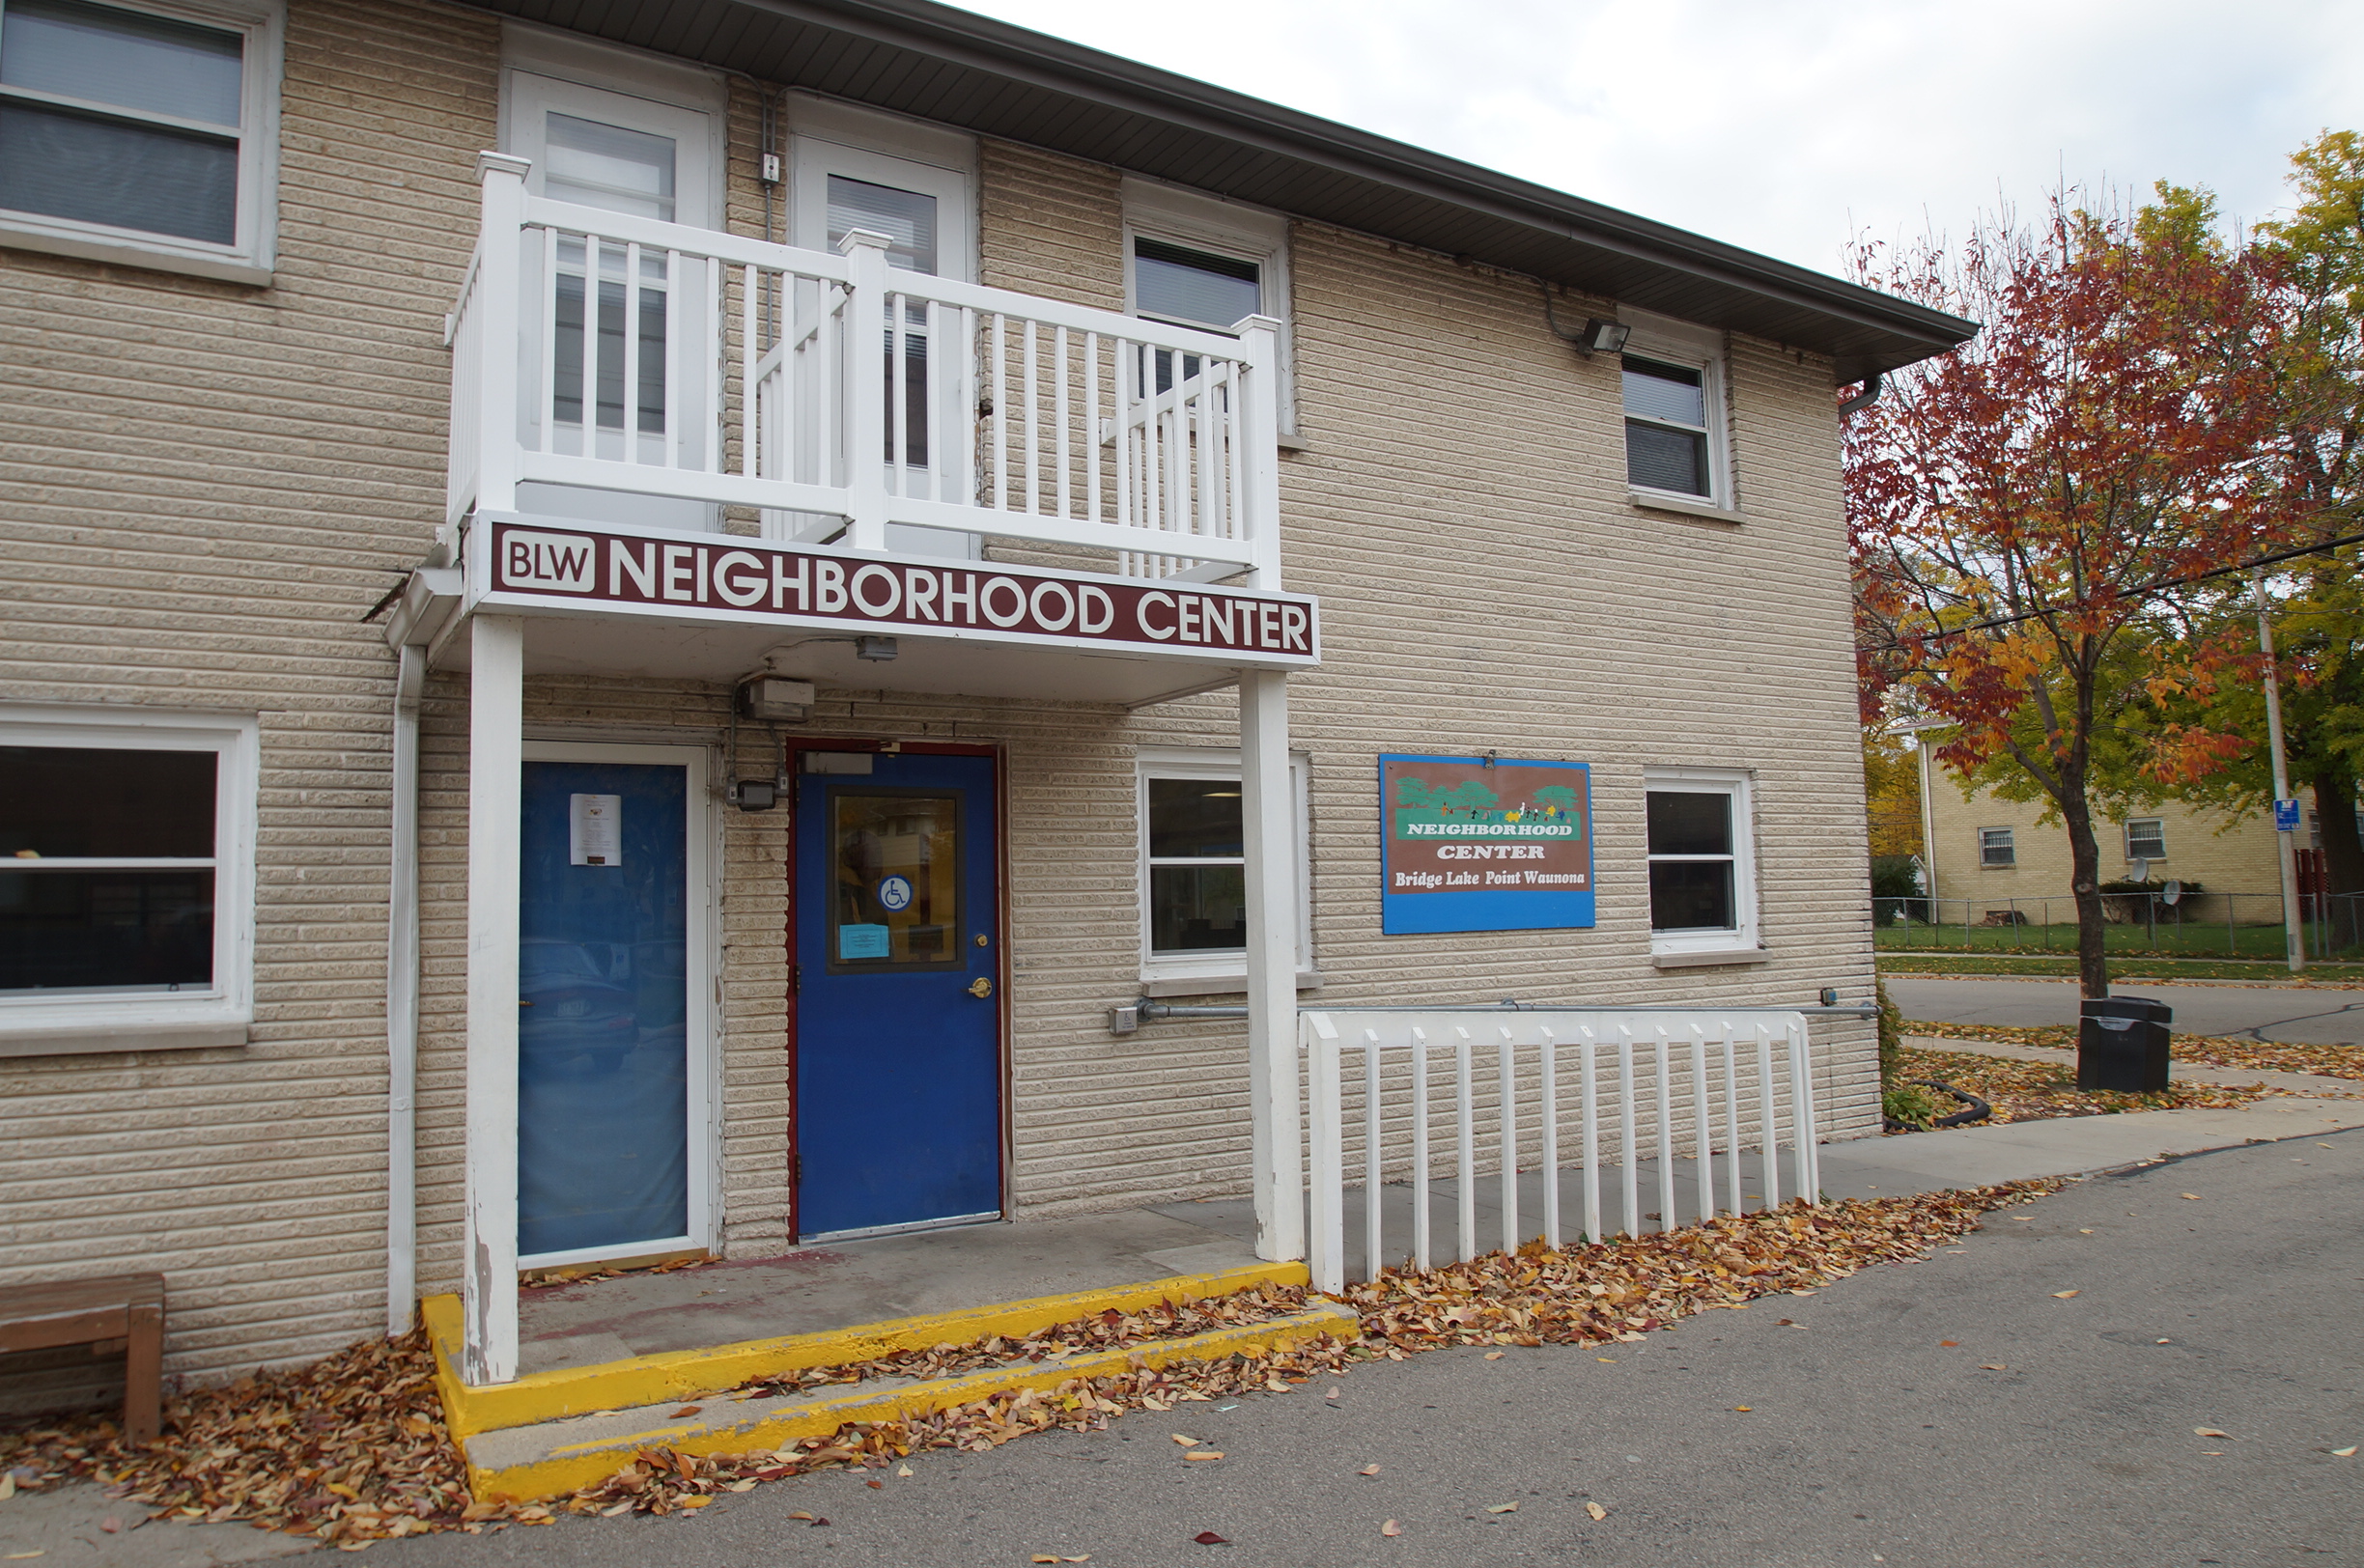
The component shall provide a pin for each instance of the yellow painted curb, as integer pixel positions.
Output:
(646, 1380)
(570, 1469)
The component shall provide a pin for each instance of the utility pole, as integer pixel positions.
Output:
(2294, 939)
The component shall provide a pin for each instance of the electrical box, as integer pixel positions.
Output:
(768, 696)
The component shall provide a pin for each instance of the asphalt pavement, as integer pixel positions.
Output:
(2300, 1014)
(2094, 1335)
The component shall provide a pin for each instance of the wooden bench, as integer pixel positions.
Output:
(122, 1312)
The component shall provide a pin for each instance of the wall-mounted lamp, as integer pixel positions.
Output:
(768, 696)
(1596, 336)
(877, 649)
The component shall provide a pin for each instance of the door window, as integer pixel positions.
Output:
(897, 904)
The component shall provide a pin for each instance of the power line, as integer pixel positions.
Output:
(2160, 586)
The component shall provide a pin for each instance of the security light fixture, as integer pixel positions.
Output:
(768, 696)
(1595, 336)
(877, 649)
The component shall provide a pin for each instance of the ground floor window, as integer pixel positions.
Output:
(1194, 876)
(126, 867)
(1996, 851)
(1701, 860)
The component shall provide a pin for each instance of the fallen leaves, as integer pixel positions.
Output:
(1744, 1409)
(2194, 1196)
(1369, 1469)
(1392, 1528)
(2027, 1091)
(2348, 1452)
(1992, 1366)
(2194, 1049)
(2063, 1295)
(1597, 1512)
(1204, 1453)
(1209, 1538)
(1045, 1557)
(2209, 1432)
(353, 1449)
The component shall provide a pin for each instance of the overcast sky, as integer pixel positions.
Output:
(1786, 126)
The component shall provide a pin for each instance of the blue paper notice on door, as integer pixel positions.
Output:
(862, 942)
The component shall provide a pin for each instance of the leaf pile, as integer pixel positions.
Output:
(2198, 1049)
(2026, 1091)
(353, 1449)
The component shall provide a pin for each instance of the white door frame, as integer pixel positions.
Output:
(703, 1108)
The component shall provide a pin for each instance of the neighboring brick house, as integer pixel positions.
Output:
(253, 487)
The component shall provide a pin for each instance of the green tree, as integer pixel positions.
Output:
(1469, 796)
(1558, 797)
(1416, 792)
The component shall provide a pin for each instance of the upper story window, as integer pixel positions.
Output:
(141, 134)
(1676, 448)
(1996, 851)
(1702, 880)
(126, 872)
(2145, 838)
(1198, 261)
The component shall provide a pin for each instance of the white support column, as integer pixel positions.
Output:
(499, 295)
(402, 1002)
(1260, 438)
(497, 698)
(867, 370)
(1268, 815)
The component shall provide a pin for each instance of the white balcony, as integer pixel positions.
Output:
(658, 377)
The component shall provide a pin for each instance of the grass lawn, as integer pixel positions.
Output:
(2122, 966)
(2190, 940)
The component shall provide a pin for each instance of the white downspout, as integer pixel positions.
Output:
(401, 1004)
(1928, 824)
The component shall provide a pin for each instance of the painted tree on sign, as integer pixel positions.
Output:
(2013, 506)
(1417, 794)
(1556, 796)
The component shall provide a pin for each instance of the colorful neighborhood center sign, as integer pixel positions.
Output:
(1472, 843)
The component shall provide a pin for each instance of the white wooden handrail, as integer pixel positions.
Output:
(1686, 1066)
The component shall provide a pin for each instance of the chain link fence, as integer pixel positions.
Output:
(2195, 925)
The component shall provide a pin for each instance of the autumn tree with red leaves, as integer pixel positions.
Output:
(2013, 506)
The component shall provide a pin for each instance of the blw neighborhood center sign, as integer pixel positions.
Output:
(1481, 844)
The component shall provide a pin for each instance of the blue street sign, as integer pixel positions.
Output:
(2286, 815)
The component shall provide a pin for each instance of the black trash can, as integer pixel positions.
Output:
(2122, 1044)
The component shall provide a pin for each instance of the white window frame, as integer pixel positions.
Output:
(251, 255)
(1222, 971)
(2159, 834)
(34, 1025)
(1738, 785)
(1199, 221)
(2010, 846)
(702, 1119)
(572, 60)
(1701, 349)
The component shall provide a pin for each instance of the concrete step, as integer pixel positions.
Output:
(554, 1431)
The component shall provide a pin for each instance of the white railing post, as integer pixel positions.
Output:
(1506, 1116)
(1768, 1114)
(1259, 430)
(1588, 1089)
(1326, 1238)
(1702, 1119)
(1801, 1119)
(499, 285)
(1550, 1084)
(865, 381)
(1420, 1155)
(1465, 1148)
(1374, 1168)
(1268, 818)
(489, 1282)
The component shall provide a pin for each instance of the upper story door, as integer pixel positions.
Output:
(926, 211)
(618, 388)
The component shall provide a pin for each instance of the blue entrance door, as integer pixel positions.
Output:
(603, 1008)
(898, 1049)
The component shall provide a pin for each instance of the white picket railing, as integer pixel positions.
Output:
(834, 397)
(1456, 1094)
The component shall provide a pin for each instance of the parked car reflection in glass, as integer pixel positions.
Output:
(571, 1009)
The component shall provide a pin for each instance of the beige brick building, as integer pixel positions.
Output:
(255, 506)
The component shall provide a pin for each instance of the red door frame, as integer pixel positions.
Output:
(793, 762)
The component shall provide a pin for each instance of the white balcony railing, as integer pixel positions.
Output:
(827, 397)
(1570, 1097)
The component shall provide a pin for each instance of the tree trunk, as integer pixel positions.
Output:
(2343, 848)
(2085, 884)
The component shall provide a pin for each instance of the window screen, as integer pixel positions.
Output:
(1178, 284)
(1666, 427)
(106, 869)
(1995, 846)
(1693, 872)
(1198, 876)
(120, 118)
(2147, 839)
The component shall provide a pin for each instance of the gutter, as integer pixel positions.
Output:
(1868, 396)
(402, 1001)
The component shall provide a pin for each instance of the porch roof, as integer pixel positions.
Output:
(959, 68)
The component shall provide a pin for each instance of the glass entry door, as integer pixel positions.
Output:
(610, 1022)
(898, 1011)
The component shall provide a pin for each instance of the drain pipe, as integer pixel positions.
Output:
(1868, 396)
(402, 1002)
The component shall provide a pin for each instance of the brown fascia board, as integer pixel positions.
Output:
(1863, 330)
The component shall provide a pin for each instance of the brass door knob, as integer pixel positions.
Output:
(980, 988)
